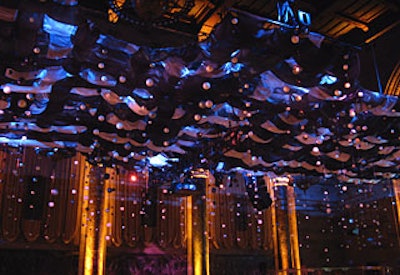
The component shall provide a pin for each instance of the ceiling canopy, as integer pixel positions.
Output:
(255, 94)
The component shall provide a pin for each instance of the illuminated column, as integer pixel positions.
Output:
(293, 231)
(274, 230)
(396, 188)
(92, 250)
(198, 244)
(286, 220)
(282, 223)
(189, 234)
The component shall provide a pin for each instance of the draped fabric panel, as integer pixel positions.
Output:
(233, 222)
(40, 197)
(42, 202)
(12, 196)
(133, 233)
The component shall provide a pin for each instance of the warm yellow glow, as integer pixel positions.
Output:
(270, 185)
(197, 234)
(112, 16)
(282, 229)
(294, 235)
(197, 256)
(393, 84)
(84, 265)
(211, 22)
(93, 231)
(199, 253)
(208, 27)
(396, 189)
(281, 181)
(89, 255)
(189, 235)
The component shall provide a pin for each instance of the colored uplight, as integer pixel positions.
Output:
(133, 178)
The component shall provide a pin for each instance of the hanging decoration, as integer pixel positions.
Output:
(251, 97)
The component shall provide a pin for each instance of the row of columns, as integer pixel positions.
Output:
(94, 216)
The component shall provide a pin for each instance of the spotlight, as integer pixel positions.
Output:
(133, 177)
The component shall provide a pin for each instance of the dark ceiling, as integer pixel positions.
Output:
(373, 26)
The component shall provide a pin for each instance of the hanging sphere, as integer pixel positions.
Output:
(234, 21)
(209, 69)
(119, 125)
(298, 98)
(206, 85)
(149, 82)
(22, 103)
(286, 89)
(100, 65)
(197, 117)
(101, 118)
(30, 97)
(337, 92)
(209, 104)
(295, 39)
(296, 69)
(6, 89)
(122, 79)
(152, 115)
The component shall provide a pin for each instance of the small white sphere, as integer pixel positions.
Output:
(149, 82)
(206, 85)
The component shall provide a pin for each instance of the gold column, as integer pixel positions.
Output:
(274, 230)
(189, 234)
(92, 250)
(287, 231)
(198, 244)
(293, 231)
(396, 189)
(282, 227)
(200, 240)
